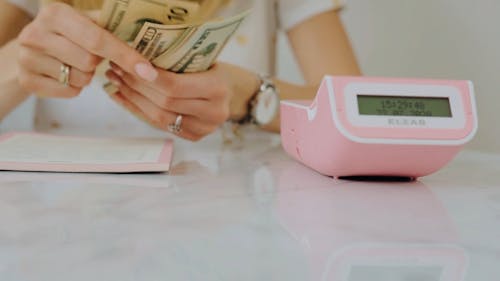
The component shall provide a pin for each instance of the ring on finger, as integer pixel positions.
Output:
(64, 74)
(176, 127)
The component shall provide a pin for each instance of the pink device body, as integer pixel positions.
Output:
(332, 136)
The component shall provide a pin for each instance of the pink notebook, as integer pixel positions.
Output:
(52, 153)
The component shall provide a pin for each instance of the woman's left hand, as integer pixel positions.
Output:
(202, 99)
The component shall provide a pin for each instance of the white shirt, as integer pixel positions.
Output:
(93, 112)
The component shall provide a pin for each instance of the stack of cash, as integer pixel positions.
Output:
(176, 35)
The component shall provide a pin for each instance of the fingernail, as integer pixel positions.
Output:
(146, 71)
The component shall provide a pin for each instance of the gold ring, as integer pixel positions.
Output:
(64, 74)
(176, 127)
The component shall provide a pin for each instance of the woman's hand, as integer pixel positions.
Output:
(61, 35)
(205, 100)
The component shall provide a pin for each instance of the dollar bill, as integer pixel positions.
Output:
(200, 50)
(184, 44)
(187, 48)
(125, 18)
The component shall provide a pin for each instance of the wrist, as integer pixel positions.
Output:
(263, 106)
(8, 56)
(245, 87)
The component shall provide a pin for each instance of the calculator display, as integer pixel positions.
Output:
(404, 106)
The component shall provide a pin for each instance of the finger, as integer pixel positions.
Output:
(186, 85)
(93, 15)
(116, 69)
(50, 67)
(66, 21)
(201, 85)
(70, 53)
(130, 80)
(202, 109)
(120, 99)
(33, 82)
(114, 78)
(60, 48)
(162, 119)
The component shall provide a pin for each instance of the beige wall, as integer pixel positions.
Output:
(456, 39)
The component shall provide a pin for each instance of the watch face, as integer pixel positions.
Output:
(267, 106)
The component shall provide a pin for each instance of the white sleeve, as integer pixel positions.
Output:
(30, 6)
(292, 12)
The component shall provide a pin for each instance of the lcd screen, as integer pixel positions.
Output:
(404, 106)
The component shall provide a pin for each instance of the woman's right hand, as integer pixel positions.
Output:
(61, 35)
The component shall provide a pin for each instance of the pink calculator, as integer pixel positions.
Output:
(365, 126)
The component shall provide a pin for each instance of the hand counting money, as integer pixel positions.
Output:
(175, 35)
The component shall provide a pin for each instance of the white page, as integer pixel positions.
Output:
(26, 148)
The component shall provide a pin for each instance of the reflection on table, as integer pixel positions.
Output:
(250, 213)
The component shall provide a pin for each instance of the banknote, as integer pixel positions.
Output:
(125, 18)
(188, 48)
(198, 51)
(184, 42)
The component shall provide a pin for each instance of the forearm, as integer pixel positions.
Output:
(11, 94)
(12, 21)
(321, 47)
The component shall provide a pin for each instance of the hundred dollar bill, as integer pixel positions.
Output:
(198, 51)
(125, 18)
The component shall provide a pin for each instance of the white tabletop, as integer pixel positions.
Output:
(248, 212)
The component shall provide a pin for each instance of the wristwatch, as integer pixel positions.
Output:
(264, 105)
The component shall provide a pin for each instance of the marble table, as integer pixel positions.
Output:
(246, 211)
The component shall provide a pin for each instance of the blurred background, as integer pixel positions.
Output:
(450, 39)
